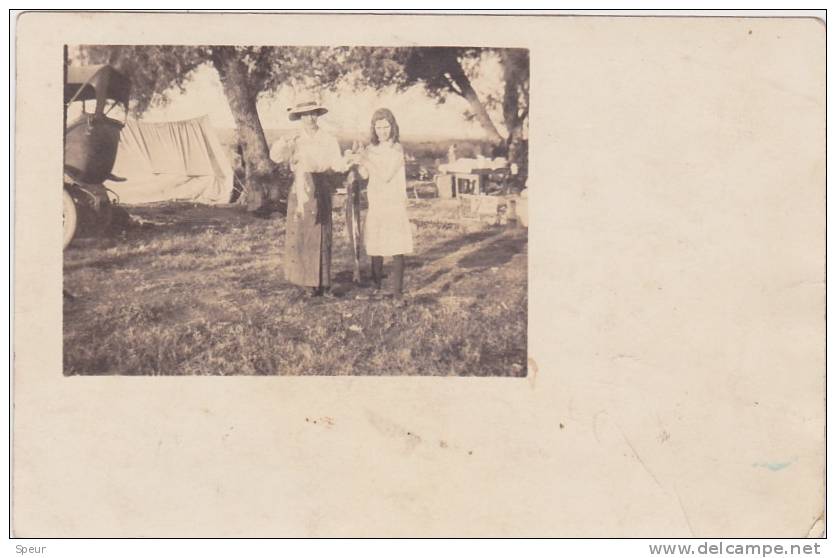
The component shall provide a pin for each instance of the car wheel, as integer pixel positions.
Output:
(70, 218)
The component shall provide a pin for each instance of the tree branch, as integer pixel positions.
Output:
(452, 85)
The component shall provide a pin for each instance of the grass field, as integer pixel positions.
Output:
(186, 289)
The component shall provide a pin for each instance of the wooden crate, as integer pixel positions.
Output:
(481, 208)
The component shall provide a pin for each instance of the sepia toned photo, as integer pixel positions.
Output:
(436, 274)
(285, 210)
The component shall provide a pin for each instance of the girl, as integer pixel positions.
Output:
(387, 230)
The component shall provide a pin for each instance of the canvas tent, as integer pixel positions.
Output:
(164, 161)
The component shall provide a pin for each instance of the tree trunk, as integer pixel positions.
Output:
(515, 72)
(242, 102)
(511, 97)
(461, 80)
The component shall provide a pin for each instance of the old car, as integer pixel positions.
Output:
(90, 144)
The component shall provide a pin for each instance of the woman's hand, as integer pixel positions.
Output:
(283, 149)
(302, 196)
(350, 159)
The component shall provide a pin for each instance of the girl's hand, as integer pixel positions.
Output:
(353, 158)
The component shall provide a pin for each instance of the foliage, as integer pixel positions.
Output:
(153, 69)
(445, 71)
(404, 67)
(158, 70)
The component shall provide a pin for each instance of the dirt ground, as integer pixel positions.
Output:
(184, 289)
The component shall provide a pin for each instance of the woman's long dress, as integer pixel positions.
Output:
(387, 229)
(315, 158)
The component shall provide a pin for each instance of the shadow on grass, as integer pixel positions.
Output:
(148, 222)
(135, 226)
(498, 252)
(448, 247)
(102, 263)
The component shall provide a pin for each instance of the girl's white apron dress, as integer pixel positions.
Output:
(387, 230)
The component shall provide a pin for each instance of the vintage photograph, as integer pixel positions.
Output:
(288, 210)
(333, 211)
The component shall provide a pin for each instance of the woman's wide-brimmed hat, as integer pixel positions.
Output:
(306, 105)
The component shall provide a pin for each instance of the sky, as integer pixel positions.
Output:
(349, 112)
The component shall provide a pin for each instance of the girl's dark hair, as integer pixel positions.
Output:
(385, 114)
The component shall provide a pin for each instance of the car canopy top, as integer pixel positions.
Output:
(100, 82)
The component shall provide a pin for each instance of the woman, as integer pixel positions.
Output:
(314, 155)
(387, 230)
